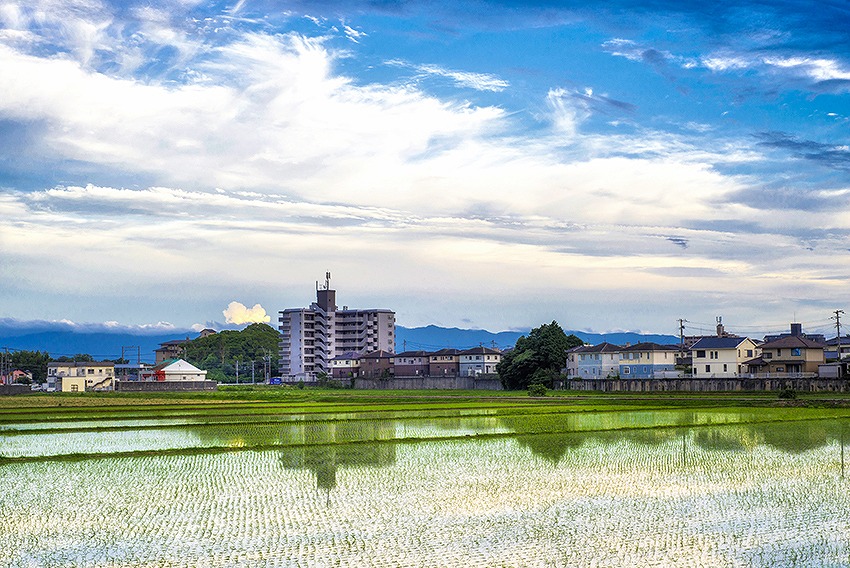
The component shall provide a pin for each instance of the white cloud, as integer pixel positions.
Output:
(237, 313)
(466, 79)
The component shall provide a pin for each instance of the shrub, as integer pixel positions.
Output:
(537, 390)
(787, 393)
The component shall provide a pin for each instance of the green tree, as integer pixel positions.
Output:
(220, 352)
(33, 361)
(537, 358)
(81, 357)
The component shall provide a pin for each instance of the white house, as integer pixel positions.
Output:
(174, 370)
(722, 357)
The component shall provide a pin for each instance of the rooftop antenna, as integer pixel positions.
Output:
(327, 280)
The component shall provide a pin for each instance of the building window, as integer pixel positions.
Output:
(701, 354)
(795, 352)
(724, 367)
(626, 370)
(708, 368)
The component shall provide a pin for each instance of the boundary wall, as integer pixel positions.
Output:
(430, 383)
(164, 386)
(705, 385)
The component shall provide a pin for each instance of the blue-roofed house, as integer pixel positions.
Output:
(722, 357)
(648, 361)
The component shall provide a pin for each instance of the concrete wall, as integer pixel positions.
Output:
(707, 385)
(164, 386)
(411, 383)
(14, 389)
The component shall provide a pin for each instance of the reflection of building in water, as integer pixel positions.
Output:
(324, 447)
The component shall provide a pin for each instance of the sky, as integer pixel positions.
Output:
(495, 164)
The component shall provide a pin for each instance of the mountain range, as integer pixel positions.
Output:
(109, 344)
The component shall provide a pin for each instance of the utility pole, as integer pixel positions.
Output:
(252, 372)
(837, 319)
(682, 323)
(237, 371)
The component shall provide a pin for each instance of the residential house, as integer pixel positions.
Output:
(478, 361)
(80, 376)
(411, 363)
(377, 364)
(722, 357)
(832, 351)
(173, 370)
(790, 355)
(444, 363)
(648, 361)
(600, 361)
(345, 366)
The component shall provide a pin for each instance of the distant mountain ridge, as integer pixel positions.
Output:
(108, 345)
(433, 337)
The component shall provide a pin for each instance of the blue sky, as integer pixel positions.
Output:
(611, 165)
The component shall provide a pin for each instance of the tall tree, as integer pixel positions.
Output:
(34, 362)
(537, 358)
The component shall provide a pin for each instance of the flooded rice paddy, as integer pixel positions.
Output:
(631, 488)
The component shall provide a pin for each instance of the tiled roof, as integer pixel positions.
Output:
(481, 351)
(650, 347)
(793, 341)
(718, 343)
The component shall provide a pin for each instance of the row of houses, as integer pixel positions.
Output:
(478, 361)
(724, 356)
(81, 376)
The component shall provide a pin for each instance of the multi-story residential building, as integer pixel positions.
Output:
(444, 363)
(311, 337)
(796, 331)
(478, 361)
(411, 363)
(722, 357)
(80, 376)
(648, 361)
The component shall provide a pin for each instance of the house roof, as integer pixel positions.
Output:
(604, 347)
(347, 355)
(177, 366)
(380, 354)
(413, 354)
(718, 343)
(793, 341)
(647, 346)
(446, 352)
(481, 351)
(82, 364)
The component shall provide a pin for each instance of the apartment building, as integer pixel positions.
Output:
(311, 337)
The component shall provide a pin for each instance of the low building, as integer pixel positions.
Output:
(173, 370)
(478, 361)
(790, 355)
(345, 366)
(600, 361)
(377, 364)
(411, 363)
(722, 357)
(648, 361)
(444, 363)
(80, 376)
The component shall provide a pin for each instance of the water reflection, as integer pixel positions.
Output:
(324, 447)
(790, 437)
